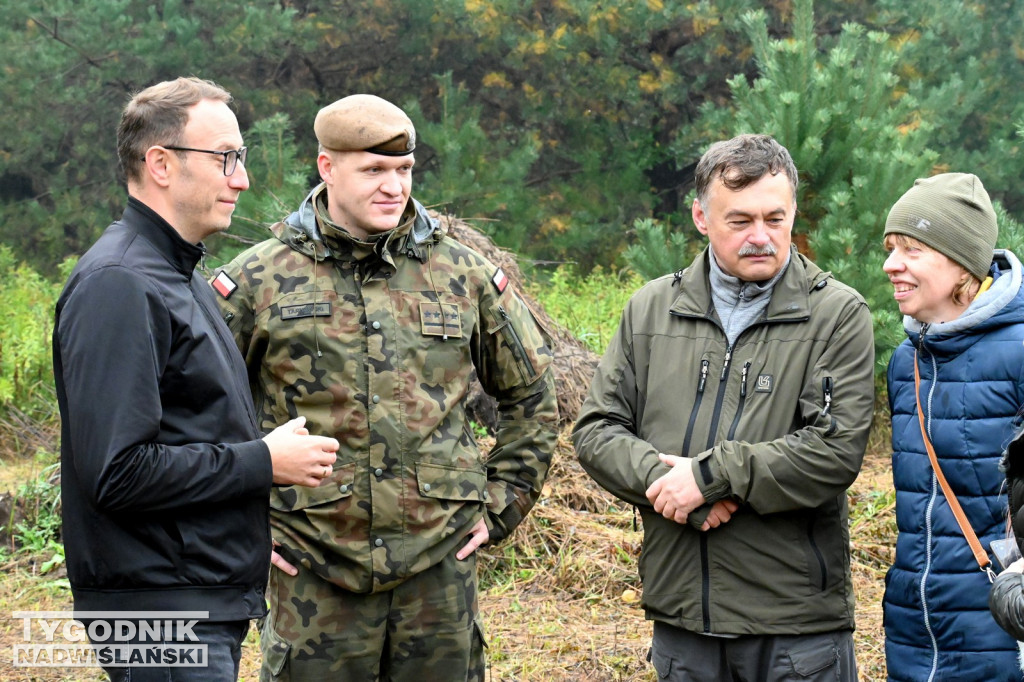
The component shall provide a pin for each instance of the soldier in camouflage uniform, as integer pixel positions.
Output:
(362, 315)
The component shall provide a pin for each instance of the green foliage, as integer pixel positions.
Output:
(963, 62)
(476, 174)
(26, 369)
(588, 306)
(69, 69)
(858, 143)
(1011, 231)
(565, 123)
(38, 501)
(659, 249)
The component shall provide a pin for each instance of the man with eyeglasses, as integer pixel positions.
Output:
(364, 315)
(165, 473)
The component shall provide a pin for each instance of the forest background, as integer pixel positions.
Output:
(565, 130)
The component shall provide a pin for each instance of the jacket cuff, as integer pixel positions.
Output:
(257, 472)
(708, 476)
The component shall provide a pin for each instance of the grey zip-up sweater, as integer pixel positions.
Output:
(778, 421)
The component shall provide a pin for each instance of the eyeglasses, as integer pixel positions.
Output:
(230, 157)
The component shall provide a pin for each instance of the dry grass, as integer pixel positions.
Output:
(560, 599)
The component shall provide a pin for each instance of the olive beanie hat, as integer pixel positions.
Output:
(952, 214)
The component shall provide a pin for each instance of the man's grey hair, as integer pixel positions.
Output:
(742, 161)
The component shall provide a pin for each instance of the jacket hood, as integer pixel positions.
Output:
(301, 226)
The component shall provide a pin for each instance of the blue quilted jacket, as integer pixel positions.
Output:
(937, 621)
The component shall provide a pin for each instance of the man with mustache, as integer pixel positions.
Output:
(733, 408)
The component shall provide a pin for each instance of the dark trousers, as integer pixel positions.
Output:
(682, 656)
(223, 642)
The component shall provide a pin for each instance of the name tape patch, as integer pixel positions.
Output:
(294, 312)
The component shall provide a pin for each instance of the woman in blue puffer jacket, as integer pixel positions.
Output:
(964, 315)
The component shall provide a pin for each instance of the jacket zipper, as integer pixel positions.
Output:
(743, 400)
(705, 364)
(716, 415)
(928, 520)
(705, 472)
(817, 555)
(705, 469)
(705, 582)
(827, 386)
(516, 343)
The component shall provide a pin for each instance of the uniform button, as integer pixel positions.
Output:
(426, 487)
(375, 399)
(378, 472)
(378, 542)
(343, 488)
(376, 324)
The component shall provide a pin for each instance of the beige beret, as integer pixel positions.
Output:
(368, 123)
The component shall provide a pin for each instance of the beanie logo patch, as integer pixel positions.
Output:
(923, 224)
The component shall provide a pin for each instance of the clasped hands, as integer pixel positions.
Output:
(675, 495)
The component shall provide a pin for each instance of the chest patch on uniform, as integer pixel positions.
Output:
(224, 285)
(764, 383)
(294, 312)
(500, 281)
(440, 319)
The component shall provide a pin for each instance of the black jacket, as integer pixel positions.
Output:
(1006, 598)
(165, 481)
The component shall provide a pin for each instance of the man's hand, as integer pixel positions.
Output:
(720, 513)
(478, 536)
(675, 494)
(299, 458)
(279, 561)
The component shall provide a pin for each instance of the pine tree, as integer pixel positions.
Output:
(853, 134)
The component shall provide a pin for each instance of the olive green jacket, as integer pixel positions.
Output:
(376, 344)
(779, 423)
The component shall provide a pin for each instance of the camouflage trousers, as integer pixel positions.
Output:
(427, 628)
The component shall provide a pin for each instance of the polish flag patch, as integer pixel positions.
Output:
(224, 285)
(499, 280)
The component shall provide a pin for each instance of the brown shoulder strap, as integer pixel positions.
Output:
(980, 555)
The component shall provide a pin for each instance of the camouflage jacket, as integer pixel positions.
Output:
(376, 343)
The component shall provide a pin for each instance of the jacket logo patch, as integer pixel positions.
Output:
(764, 383)
(294, 312)
(224, 285)
(440, 320)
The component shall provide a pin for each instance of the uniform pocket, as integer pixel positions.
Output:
(335, 487)
(520, 361)
(443, 482)
(275, 652)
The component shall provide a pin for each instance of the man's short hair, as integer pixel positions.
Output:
(157, 116)
(742, 161)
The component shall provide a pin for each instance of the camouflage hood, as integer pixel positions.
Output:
(303, 222)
